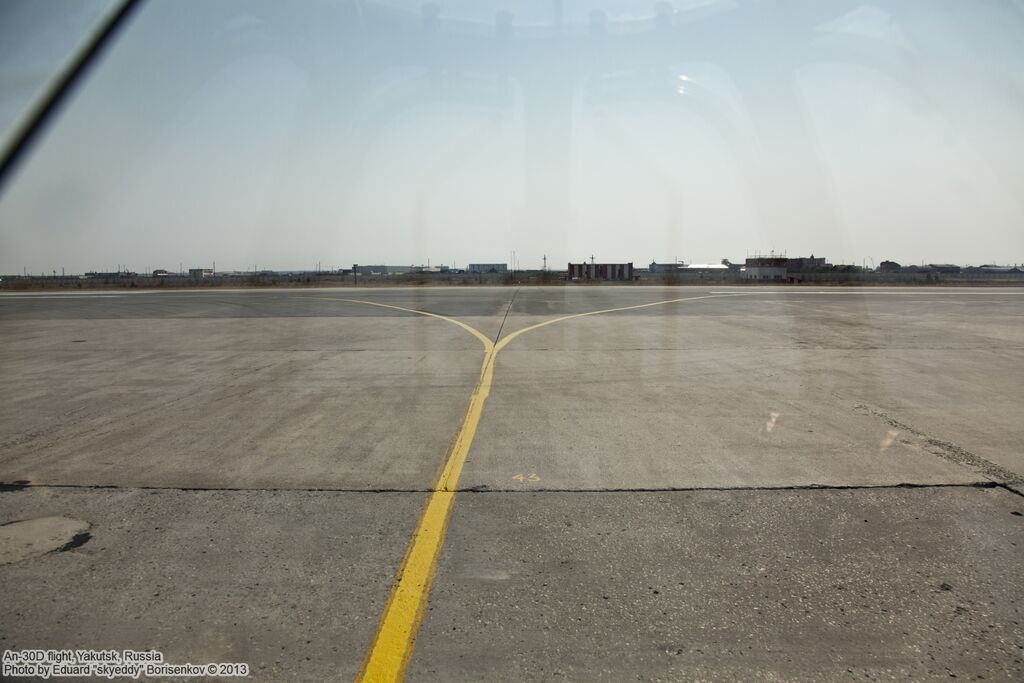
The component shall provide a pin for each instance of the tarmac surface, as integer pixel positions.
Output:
(713, 483)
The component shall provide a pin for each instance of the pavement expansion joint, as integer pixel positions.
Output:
(7, 487)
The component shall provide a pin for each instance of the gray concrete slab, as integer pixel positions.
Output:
(339, 402)
(882, 584)
(774, 388)
(480, 302)
(290, 582)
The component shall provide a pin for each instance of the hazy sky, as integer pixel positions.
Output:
(281, 134)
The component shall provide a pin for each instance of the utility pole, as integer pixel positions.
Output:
(545, 263)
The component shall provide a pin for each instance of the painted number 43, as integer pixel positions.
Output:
(532, 476)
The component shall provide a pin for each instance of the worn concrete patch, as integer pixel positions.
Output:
(799, 585)
(32, 537)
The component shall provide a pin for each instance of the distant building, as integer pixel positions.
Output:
(382, 270)
(766, 268)
(889, 267)
(707, 268)
(199, 273)
(807, 263)
(992, 269)
(665, 268)
(119, 273)
(600, 271)
(487, 268)
(945, 268)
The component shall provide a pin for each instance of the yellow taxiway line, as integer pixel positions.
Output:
(508, 340)
(393, 643)
(395, 638)
(468, 328)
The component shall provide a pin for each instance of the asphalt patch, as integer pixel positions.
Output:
(28, 538)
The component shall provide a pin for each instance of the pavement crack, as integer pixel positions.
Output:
(985, 484)
(505, 317)
(952, 452)
(22, 485)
